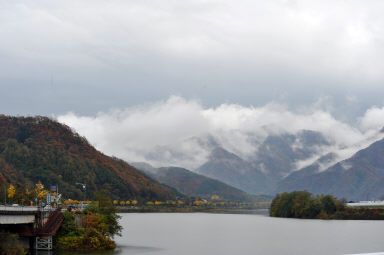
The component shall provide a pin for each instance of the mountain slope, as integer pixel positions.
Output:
(40, 149)
(231, 169)
(192, 184)
(277, 155)
(275, 158)
(360, 177)
(289, 182)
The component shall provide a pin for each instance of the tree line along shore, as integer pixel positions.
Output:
(304, 205)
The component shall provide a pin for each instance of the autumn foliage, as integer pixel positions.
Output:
(99, 224)
(34, 149)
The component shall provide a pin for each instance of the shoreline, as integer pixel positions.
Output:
(195, 210)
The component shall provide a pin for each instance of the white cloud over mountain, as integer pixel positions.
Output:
(179, 132)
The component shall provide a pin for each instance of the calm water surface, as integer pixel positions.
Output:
(240, 234)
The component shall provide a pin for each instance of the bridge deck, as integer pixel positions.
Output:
(18, 208)
(16, 219)
(22, 210)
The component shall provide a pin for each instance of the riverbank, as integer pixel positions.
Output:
(195, 210)
(192, 209)
(359, 214)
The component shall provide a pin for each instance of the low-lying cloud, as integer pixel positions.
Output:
(182, 132)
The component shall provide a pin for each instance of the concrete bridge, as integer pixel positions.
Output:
(34, 225)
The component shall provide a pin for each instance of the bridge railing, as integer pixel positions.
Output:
(26, 208)
(9, 208)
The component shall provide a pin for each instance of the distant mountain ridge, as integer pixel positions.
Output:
(36, 149)
(360, 177)
(278, 154)
(196, 185)
(289, 182)
(275, 158)
(273, 167)
(233, 170)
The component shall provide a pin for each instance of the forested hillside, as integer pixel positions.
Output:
(196, 185)
(36, 149)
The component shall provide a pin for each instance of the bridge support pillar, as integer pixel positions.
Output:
(44, 243)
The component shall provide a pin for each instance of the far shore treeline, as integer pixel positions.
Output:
(304, 205)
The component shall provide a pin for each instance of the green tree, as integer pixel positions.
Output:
(301, 204)
(304, 205)
(68, 227)
(328, 204)
(104, 208)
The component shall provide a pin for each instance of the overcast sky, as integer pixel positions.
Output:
(93, 55)
(143, 79)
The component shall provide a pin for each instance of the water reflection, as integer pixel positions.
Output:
(121, 249)
(136, 249)
(228, 234)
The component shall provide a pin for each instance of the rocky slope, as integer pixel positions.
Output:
(360, 177)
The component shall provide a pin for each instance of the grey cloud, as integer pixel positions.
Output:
(122, 53)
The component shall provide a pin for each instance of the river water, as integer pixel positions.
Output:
(244, 234)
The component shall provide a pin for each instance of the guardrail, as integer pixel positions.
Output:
(23, 210)
(18, 208)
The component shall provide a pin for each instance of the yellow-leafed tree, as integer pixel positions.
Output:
(39, 187)
(11, 191)
(41, 195)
